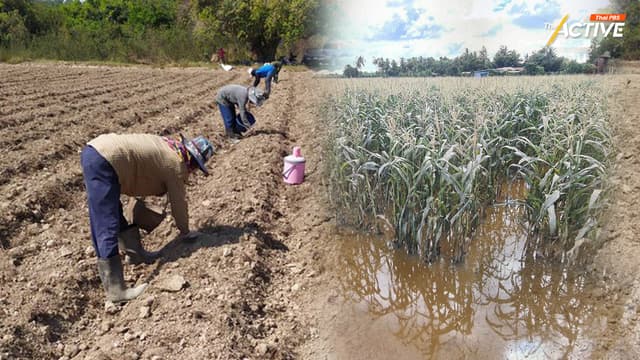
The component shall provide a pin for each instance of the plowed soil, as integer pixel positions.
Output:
(243, 280)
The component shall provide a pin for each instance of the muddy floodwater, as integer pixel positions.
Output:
(496, 304)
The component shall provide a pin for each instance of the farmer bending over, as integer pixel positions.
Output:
(230, 96)
(136, 165)
(268, 71)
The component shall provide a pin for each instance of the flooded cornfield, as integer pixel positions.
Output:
(500, 301)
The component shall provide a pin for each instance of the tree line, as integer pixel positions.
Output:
(542, 61)
(154, 30)
(628, 46)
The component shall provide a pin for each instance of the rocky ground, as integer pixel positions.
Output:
(233, 293)
(617, 263)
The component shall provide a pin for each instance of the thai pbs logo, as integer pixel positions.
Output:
(600, 25)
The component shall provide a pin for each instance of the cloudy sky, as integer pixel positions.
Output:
(406, 28)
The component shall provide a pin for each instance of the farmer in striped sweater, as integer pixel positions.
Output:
(135, 165)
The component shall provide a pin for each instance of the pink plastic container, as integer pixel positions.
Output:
(293, 172)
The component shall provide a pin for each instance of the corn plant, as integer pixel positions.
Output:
(427, 155)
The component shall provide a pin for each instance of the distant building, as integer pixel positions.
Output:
(509, 70)
(480, 73)
(601, 63)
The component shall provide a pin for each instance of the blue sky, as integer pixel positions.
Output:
(406, 28)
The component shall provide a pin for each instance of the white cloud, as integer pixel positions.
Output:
(464, 22)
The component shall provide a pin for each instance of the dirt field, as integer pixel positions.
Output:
(260, 283)
(244, 280)
(618, 261)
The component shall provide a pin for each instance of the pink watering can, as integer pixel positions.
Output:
(293, 172)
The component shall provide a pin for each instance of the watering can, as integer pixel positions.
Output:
(293, 172)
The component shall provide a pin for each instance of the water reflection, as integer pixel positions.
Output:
(497, 303)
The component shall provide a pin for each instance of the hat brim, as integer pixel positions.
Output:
(254, 100)
(196, 157)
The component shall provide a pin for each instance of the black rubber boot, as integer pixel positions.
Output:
(129, 242)
(110, 271)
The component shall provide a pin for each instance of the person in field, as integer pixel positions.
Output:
(135, 165)
(221, 56)
(268, 71)
(231, 96)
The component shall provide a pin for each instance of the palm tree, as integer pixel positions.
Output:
(359, 62)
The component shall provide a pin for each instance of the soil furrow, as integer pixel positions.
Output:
(52, 94)
(14, 120)
(70, 134)
(238, 301)
(12, 177)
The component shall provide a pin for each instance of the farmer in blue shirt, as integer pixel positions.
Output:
(268, 71)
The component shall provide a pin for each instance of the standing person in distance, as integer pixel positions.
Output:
(221, 56)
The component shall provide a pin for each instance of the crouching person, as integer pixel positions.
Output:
(231, 96)
(268, 71)
(135, 165)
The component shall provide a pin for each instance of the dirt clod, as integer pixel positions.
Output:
(173, 283)
(71, 350)
(261, 349)
(145, 312)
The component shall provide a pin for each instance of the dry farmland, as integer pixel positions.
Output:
(237, 301)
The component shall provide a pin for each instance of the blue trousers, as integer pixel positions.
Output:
(232, 120)
(228, 116)
(103, 197)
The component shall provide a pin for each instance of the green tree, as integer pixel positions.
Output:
(263, 25)
(38, 16)
(573, 67)
(468, 61)
(531, 68)
(12, 29)
(505, 57)
(350, 71)
(359, 62)
(627, 46)
(483, 59)
(547, 58)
